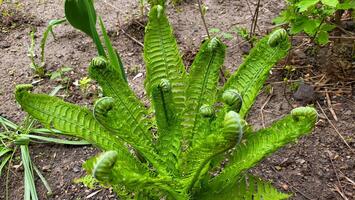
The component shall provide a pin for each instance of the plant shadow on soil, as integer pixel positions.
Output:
(306, 168)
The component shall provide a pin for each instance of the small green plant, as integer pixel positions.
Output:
(15, 137)
(216, 32)
(177, 153)
(313, 17)
(39, 69)
(60, 73)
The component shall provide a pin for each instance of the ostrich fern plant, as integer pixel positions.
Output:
(177, 153)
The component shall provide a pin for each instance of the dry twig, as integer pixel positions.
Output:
(329, 102)
(263, 106)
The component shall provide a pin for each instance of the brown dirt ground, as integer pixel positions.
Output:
(309, 168)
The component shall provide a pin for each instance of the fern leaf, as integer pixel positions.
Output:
(221, 140)
(108, 168)
(167, 122)
(264, 142)
(70, 120)
(248, 188)
(202, 84)
(162, 57)
(251, 75)
(131, 112)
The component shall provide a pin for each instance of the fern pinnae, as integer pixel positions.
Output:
(264, 142)
(251, 75)
(132, 111)
(202, 84)
(71, 120)
(162, 57)
(168, 145)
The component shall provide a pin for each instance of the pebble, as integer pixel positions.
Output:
(305, 93)
(348, 112)
(76, 169)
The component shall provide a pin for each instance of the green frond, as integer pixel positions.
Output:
(251, 75)
(264, 142)
(109, 168)
(202, 84)
(248, 187)
(162, 57)
(70, 120)
(219, 141)
(168, 125)
(131, 113)
(107, 111)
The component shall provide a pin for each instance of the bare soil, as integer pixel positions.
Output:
(313, 168)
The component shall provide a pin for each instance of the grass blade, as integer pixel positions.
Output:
(44, 181)
(3, 163)
(30, 188)
(48, 30)
(58, 141)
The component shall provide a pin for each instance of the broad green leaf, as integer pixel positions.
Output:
(248, 187)
(322, 37)
(81, 15)
(262, 143)
(347, 4)
(253, 72)
(310, 26)
(332, 3)
(303, 5)
(327, 27)
(162, 57)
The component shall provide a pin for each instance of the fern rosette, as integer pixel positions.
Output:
(173, 154)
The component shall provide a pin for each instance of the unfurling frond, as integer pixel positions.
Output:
(71, 120)
(132, 113)
(103, 166)
(202, 85)
(195, 159)
(264, 142)
(168, 125)
(251, 75)
(162, 57)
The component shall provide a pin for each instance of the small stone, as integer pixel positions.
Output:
(278, 168)
(305, 93)
(284, 186)
(348, 112)
(301, 161)
(46, 168)
(76, 169)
